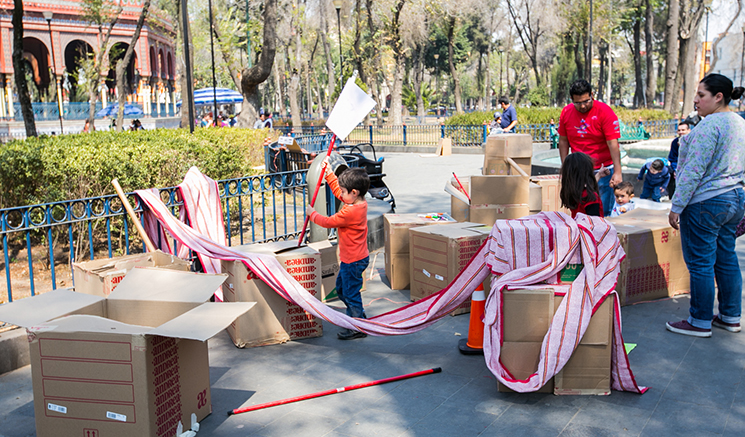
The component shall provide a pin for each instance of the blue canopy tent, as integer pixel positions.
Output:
(205, 96)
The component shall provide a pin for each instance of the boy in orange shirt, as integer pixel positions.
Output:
(350, 187)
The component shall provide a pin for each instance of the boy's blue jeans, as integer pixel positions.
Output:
(707, 231)
(649, 192)
(348, 285)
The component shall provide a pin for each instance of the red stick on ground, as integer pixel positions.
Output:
(333, 391)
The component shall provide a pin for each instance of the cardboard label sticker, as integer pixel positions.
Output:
(426, 273)
(439, 278)
(116, 416)
(57, 408)
(285, 141)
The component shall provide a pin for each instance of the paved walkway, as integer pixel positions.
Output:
(694, 382)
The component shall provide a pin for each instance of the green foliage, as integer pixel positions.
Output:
(49, 169)
(538, 96)
(409, 96)
(535, 115)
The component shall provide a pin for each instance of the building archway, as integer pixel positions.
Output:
(75, 54)
(116, 53)
(36, 61)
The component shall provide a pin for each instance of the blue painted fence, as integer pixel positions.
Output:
(256, 208)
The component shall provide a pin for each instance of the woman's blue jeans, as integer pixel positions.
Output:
(707, 232)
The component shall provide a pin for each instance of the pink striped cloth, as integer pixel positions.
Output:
(524, 252)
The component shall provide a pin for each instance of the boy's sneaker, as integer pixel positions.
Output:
(350, 334)
(685, 328)
(731, 327)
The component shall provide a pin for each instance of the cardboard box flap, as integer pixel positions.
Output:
(85, 323)
(153, 284)
(204, 321)
(41, 308)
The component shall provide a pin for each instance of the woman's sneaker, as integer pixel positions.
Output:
(731, 327)
(685, 328)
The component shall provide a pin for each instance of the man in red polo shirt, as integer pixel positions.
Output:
(592, 127)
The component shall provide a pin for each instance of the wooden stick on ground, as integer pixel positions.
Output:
(131, 213)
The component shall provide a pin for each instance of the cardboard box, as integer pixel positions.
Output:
(274, 319)
(499, 190)
(527, 318)
(654, 267)
(459, 204)
(536, 198)
(497, 166)
(510, 145)
(100, 277)
(439, 253)
(550, 189)
(397, 244)
(488, 214)
(329, 251)
(135, 364)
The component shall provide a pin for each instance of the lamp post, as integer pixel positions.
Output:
(48, 16)
(214, 79)
(437, 81)
(742, 64)
(707, 6)
(500, 49)
(337, 5)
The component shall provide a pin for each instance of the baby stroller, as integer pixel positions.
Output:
(373, 167)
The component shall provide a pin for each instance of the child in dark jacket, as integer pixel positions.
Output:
(579, 185)
(656, 180)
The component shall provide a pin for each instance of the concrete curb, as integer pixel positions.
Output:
(13, 350)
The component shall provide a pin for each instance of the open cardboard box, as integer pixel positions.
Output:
(100, 277)
(492, 198)
(527, 317)
(274, 319)
(132, 364)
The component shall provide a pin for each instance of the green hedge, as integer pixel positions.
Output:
(544, 115)
(49, 169)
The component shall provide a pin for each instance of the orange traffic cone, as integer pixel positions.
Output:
(474, 344)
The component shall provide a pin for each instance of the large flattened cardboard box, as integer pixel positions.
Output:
(100, 277)
(527, 318)
(274, 319)
(654, 267)
(498, 198)
(519, 147)
(132, 364)
(550, 189)
(397, 244)
(329, 251)
(439, 253)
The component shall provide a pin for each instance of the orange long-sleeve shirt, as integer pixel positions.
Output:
(351, 222)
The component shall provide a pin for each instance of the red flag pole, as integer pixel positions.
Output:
(315, 193)
(461, 187)
(333, 391)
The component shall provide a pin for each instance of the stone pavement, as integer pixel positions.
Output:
(694, 382)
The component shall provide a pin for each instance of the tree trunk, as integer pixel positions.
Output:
(651, 90)
(421, 110)
(690, 78)
(579, 54)
(602, 50)
(327, 52)
(185, 99)
(252, 77)
(639, 88)
(451, 64)
(19, 72)
(379, 102)
(394, 112)
(714, 57)
(297, 121)
(122, 86)
(672, 94)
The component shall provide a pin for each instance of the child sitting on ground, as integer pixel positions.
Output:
(579, 185)
(623, 192)
(350, 187)
(655, 183)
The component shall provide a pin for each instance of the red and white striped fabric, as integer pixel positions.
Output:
(524, 252)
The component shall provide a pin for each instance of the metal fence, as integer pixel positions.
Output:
(54, 235)
(46, 111)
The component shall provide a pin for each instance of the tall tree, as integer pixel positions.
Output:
(100, 13)
(672, 93)
(296, 65)
(714, 54)
(331, 72)
(394, 40)
(450, 25)
(252, 77)
(651, 89)
(122, 86)
(691, 13)
(19, 71)
(529, 29)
